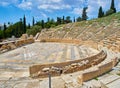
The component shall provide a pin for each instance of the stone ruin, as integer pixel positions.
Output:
(14, 43)
(90, 67)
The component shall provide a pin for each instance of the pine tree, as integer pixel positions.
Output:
(5, 27)
(42, 24)
(68, 20)
(21, 26)
(113, 6)
(29, 26)
(63, 19)
(74, 19)
(79, 19)
(100, 13)
(33, 21)
(24, 24)
(112, 9)
(58, 20)
(48, 19)
(84, 13)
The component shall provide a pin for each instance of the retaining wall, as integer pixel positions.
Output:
(97, 71)
(69, 66)
(6, 46)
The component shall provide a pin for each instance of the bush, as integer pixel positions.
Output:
(34, 30)
(109, 12)
(1, 34)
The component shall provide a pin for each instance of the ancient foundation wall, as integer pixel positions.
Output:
(97, 71)
(105, 67)
(12, 45)
(69, 66)
(60, 40)
(91, 74)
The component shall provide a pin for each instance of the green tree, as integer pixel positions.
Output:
(63, 19)
(15, 29)
(58, 20)
(52, 23)
(100, 13)
(24, 24)
(42, 24)
(18, 28)
(79, 19)
(74, 20)
(84, 13)
(34, 30)
(112, 9)
(10, 31)
(113, 6)
(68, 20)
(21, 26)
(28, 27)
(38, 23)
(109, 12)
(47, 25)
(1, 35)
(4, 31)
(48, 19)
(33, 21)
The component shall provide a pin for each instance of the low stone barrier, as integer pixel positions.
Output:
(66, 67)
(6, 46)
(60, 40)
(97, 71)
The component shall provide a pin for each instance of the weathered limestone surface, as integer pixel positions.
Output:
(10, 45)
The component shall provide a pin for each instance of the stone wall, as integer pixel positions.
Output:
(66, 67)
(96, 71)
(6, 46)
(90, 74)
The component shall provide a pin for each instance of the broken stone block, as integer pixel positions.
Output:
(11, 46)
(24, 36)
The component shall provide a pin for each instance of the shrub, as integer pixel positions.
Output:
(109, 12)
(34, 30)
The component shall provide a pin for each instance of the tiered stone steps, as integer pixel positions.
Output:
(82, 32)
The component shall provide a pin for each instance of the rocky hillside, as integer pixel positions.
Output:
(104, 31)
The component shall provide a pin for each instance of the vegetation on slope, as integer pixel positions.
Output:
(20, 27)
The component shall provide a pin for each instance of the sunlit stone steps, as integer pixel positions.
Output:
(83, 31)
